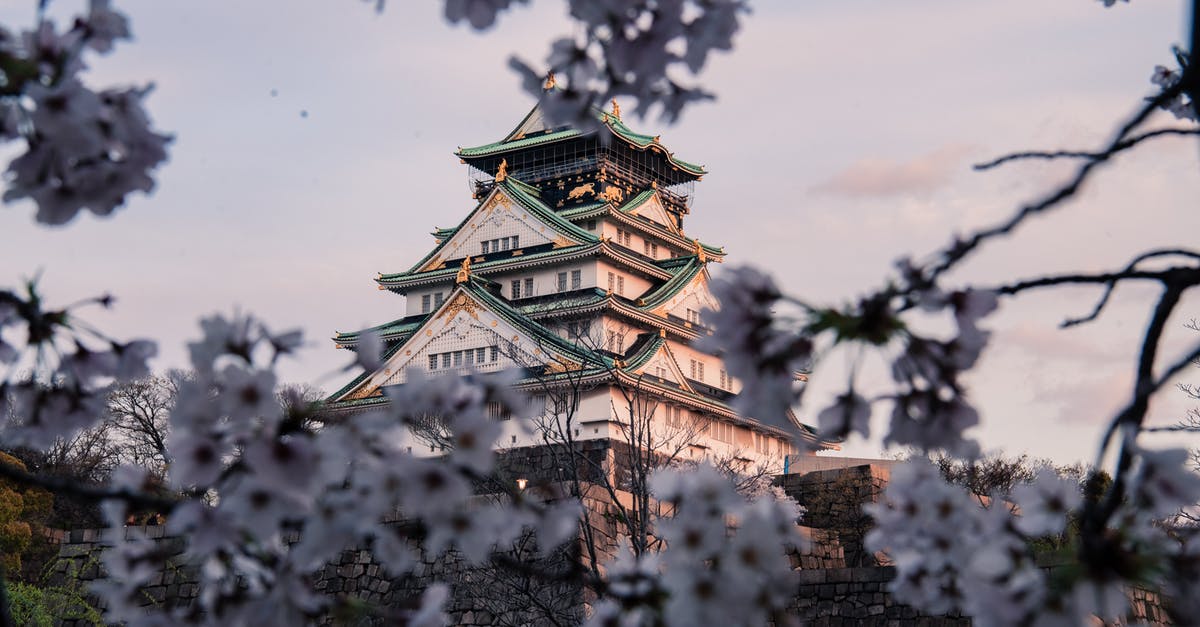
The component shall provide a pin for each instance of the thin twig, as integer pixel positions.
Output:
(961, 248)
(1074, 154)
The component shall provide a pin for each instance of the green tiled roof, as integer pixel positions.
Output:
(579, 299)
(527, 197)
(483, 265)
(610, 121)
(637, 201)
(684, 275)
(388, 331)
(581, 209)
(521, 321)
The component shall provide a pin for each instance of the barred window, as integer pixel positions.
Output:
(516, 289)
(562, 281)
(497, 411)
(425, 300)
(433, 362)
(576, 279)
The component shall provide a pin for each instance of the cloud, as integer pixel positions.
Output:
(875, 177)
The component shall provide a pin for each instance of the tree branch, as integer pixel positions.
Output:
(1073, 154)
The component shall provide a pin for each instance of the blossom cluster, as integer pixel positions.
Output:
(62, 396)
(632, 48)
(1182, 105)
(84, 149)
(954, 551)
(930, 410)
(725, 561)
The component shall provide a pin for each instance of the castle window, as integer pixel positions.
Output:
(612, 281)
(433, 362)
(458, 359)
(562, 281)
(480, 354)
(620, 285)
(469, 357)
(438, 299)
(578, 329)
(698, 370)
(495, 353)
(497, 411)
(591, 225)
(650, 248)
(725, 383)
(693, 316)
(528, 287)
(484, 246)
(516, 289)
(425, 300)
(576, 279)
(445, 360)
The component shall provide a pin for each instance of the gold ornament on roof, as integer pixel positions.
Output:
(502, 171)
(612, 194)
(699, 250)
(550, 82)
(464, 273)
(616, 111)
(578, 192)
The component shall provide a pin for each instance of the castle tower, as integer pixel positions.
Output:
(573, 268)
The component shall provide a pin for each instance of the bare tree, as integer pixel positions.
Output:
(138, 415)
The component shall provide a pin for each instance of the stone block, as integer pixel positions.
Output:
(815, 576)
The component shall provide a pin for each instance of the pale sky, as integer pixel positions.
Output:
(314, 145)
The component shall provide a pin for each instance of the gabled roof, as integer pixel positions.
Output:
(524, 195)
(389, 332)
(473, 294)
(626, 215)
(685, 273)
(532, 131)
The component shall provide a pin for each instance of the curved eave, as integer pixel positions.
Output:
(388, 332)
(525, 196)
(633, 261)
(674, 285)
(681, 329)
(720, 408)
(624, 215)
(610, 121)
(408, 280)
(516, 318)
(649, 142)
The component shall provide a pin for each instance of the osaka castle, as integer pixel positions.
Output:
(573, 268)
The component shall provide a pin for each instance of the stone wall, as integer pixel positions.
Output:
(833, 501)
(856, 596)
(828, 592)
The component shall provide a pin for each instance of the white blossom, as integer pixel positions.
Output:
(1045, 503)
(1164, 483)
